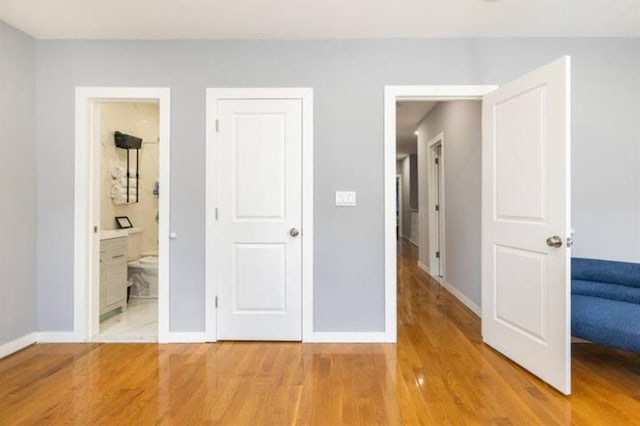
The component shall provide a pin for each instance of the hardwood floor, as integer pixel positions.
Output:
(438, 373)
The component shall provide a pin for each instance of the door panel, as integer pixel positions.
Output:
(259, 267)
(259, 152)
(526, 199)
(520, 167)
(518, 307)
(259, 278)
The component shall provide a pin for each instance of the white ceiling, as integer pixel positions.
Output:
(408, 116)
(320, 19)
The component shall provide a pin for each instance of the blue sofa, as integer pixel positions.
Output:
(605, 302)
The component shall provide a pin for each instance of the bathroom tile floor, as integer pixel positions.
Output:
(138, 324)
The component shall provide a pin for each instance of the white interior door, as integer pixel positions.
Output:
(259, 217)
(526, 221)
(439, 206)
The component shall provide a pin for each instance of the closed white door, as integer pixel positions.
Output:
(259, 210)
(526, 222)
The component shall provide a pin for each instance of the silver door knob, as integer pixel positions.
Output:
(294, 232)
(554, 241)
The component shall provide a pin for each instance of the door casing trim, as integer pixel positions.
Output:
(393, 94)
(436, 239)
(86, 203)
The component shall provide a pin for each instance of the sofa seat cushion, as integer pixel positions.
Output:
(605, 321)
(622, 293)
(606, 271)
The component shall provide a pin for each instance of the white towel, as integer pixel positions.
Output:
(122, 190)
(118, 172)
(123, 182)
(122, 198)
(119, 199)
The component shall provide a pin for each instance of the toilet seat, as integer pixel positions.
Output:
(149, 260)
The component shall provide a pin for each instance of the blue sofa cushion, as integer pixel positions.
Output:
(609, 322)
(606, 271)
(622, 293)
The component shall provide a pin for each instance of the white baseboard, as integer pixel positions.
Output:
(424, 267)
(70, 337)
(185, 337)
(346, 337)
(15, 345)
(462, 298)
(454, 291)
(124, 340)
(58, 337)
(407, 238)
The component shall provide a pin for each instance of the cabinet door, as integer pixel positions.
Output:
(116, 283)
(113, 273)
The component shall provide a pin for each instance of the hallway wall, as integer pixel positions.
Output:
(461, 122)
(404, 170)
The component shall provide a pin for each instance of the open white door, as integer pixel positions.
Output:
(526, 306)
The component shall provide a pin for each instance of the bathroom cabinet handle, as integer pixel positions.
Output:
(117, 256)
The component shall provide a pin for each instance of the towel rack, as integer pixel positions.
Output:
(129, 142)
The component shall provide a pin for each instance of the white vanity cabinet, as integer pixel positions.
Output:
(113, 274)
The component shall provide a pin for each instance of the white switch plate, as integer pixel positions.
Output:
(345, 198)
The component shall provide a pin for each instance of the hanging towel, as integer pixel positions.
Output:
(118, 171)
(123, 182)
(120, 199)
(122, 190)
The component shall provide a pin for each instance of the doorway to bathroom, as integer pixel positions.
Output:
(122, 207)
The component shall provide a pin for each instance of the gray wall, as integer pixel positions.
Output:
(413, 182)
(461, 122)
(348, 79)
(17, 184)
(404, 170)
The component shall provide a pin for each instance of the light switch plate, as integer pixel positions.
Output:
(345, 198)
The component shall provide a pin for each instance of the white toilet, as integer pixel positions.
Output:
(142, 268)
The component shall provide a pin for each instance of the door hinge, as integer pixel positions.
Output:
(437, 207)
(95, 229)
(438, 255)
(216, 302)
(436, 161)
(216, 213)
(217, 125)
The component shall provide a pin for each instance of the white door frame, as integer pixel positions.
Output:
(436, 239)
(213, 95)
(399, 200)
(87, 204)
(393, 94)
